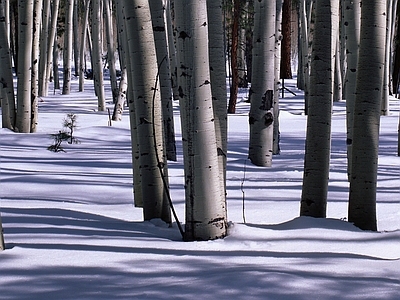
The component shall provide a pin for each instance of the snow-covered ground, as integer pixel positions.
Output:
(72, 232)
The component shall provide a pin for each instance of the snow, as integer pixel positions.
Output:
(72, 232)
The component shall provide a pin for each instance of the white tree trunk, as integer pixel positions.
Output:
(318, 142)
(147, 105)
(218, 82)
(82, 51)
(261, 116)
(157, 9)
(67, 50)
(205, 200)
(37, 20)
(370, 71)
(97, 65)
(171, 50)
(108, 24)
(352, 32)
(44, 47)
(6, 84)
(52, 41)
(25, 28)
(386, 77)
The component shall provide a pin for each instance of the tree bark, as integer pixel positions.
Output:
(352, 11)
(24, 83)
(261, 116)
(67, 50)
(82, 51)
(6, 82)
(234, 57)
(161, 44)
(97, 65)
(37, 20)
(318, 140)
(205, 199)
(370, 71)
(108, 24)
(148, 114)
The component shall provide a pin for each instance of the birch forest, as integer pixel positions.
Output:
(198, 53)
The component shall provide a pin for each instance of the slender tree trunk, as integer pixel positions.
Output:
(108, 24)
(97, 65)
(123, 34)
(44, 48)
(6, 82)
(352, 32)
(37, 17)
(386, 77)
(304, 22)
(234, 57)
(261, 116)
(82, 51)
(318, 142)
(160, 35)
(147, 110)
(286, 48)
(67, 50)
(56, 55)
(52, 47)
(205, 199)
(218, 82)
(25, 28)
(123, 60)
(77, 37)
(370, 71)
(278, 70)
(172, 50)
(337, 83)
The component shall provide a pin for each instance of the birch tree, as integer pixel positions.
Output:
(82, 51)
(318, 140)
(97, 65)
(37, 21)
(67, 51)
(44, 47)
(388, 42)
(25, 36)
(205, 199)
(147, 109)
(123, 59)
(352, 11)
(370, 71)
(6, 82)
(108, 24)
(46, 67)
(261, 116)
(218, 82)
(157, 8)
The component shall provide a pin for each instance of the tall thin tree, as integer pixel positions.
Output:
(205, 199)
(318, 140)
(147, 109)
(261, 116)
(370, 71)
(6, 82)
(68, 50)
(25, 36)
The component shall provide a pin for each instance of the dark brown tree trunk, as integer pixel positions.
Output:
(286, 47)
